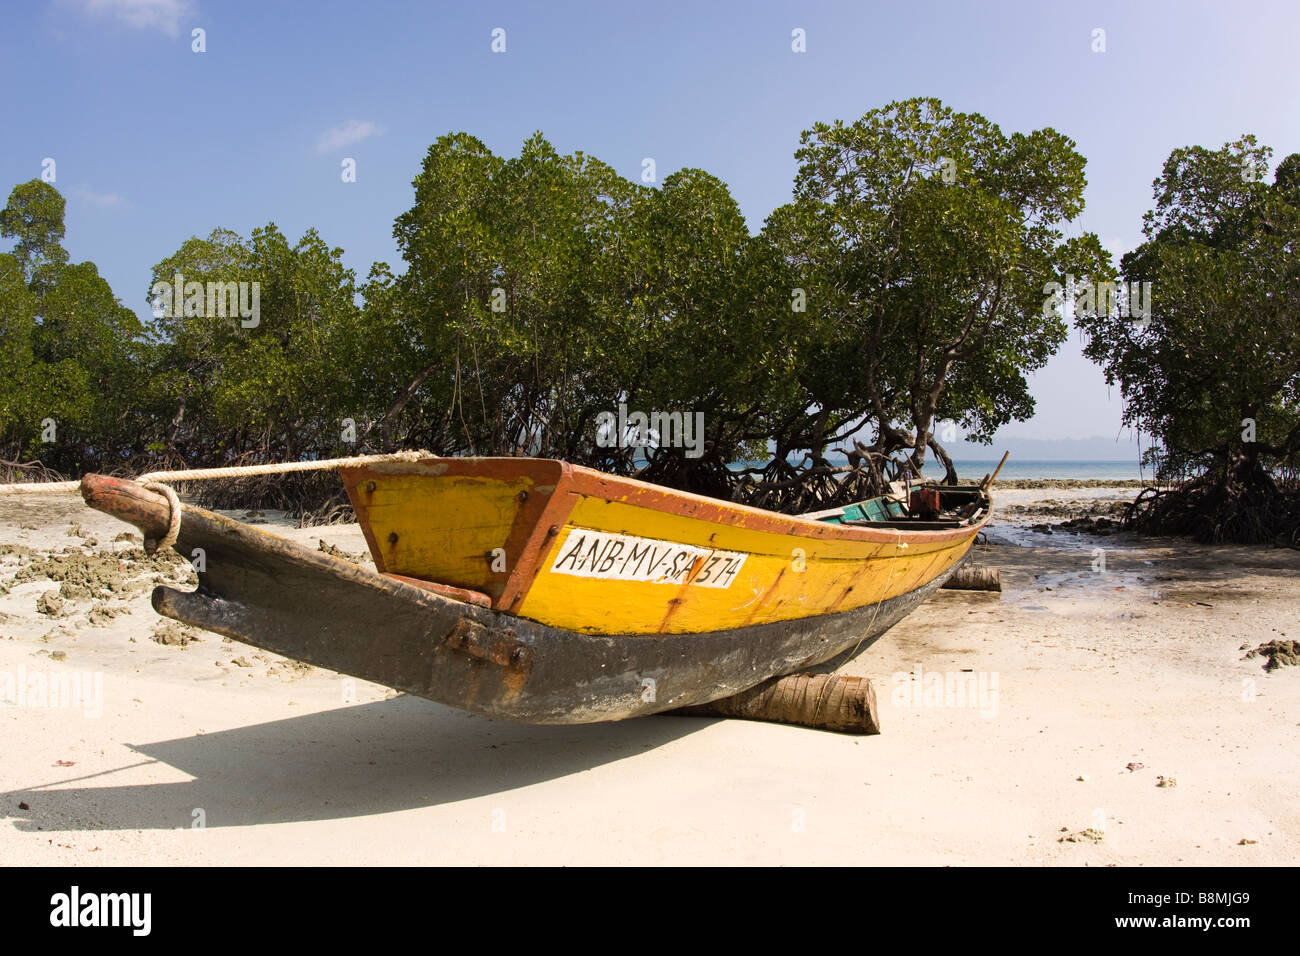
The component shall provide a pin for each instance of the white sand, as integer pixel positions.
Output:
(1094, 671)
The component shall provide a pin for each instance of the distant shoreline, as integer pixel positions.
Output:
(1098, 473)
(1064, 482)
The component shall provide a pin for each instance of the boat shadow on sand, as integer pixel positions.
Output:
(380, 757)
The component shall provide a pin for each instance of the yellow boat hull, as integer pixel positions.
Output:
(576, 549)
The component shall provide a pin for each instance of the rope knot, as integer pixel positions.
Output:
(173, 517)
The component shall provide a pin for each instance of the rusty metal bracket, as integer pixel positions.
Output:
(482, 643)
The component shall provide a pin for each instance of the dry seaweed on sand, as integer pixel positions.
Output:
(83, 576)
(172, 634)
(1277, 654)
(336, 552)
(51, 604)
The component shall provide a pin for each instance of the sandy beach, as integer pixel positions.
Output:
(1102, 710)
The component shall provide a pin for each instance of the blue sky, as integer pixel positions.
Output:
(155, 143)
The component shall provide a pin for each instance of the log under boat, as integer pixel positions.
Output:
(535, 590)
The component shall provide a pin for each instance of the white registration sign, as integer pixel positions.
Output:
(623, 557)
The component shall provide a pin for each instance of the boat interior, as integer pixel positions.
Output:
(914, 508)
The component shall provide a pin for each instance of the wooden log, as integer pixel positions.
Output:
(824, 701)
(129, 502)
(974, 579)
(989, 479)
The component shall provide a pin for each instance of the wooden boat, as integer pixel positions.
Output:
(539, 591)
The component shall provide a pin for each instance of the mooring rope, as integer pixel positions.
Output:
(278, 468)
(155, 481)
(173, 513)
(41, 488)
(204, 474)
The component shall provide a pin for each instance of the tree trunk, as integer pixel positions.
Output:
(950, 470)
(823, 701)
(974, 579)
(390, 417)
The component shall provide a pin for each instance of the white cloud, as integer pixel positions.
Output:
(353, 131)
(164, 15)
(101, 200)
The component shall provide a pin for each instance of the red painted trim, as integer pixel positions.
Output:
(554, 515)
(446, 590)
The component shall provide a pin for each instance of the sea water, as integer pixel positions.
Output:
(1013, 469)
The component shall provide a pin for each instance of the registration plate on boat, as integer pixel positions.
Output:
(622, 557)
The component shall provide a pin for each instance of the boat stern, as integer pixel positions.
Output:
(463, 522)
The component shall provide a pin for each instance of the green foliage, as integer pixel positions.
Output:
(541, 292)
(503, 302)
(17, 324)
(545, 290)
(923, 237)
(275, 385)
(34, 216)
(70, 352)
(1223, 346)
